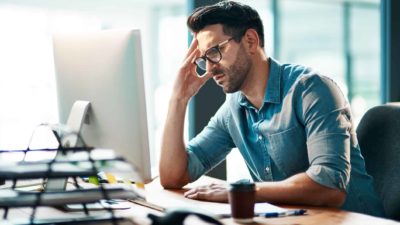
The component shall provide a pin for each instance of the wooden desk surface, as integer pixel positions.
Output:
(138, 213)
(314, 216)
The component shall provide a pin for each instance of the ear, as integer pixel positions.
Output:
(251, 40)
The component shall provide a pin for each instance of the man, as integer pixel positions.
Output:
(292, 126)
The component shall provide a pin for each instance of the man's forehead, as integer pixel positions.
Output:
(210, 36)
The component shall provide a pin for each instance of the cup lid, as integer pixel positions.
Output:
(242, 185)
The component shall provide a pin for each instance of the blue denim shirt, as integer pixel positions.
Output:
(304, 125)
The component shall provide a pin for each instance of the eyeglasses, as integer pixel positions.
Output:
(212, 54)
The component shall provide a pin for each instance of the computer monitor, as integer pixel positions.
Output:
(105, 68)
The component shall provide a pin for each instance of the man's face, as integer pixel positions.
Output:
(231, 71)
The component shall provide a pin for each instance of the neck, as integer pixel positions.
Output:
(256, 81)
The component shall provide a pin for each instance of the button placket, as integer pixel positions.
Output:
(268, 170)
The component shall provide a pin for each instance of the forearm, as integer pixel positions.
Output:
(299, 190)
(173, 160)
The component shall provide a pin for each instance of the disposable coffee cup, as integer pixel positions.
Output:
(241, 199)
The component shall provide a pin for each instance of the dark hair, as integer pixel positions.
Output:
(236, 19)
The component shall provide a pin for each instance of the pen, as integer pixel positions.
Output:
(296, 212)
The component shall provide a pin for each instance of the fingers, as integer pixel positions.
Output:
(203, 195)
(199, 193)
(214, 185)
(205, 76)
(213, 192)
(190, 58)
(195, 190)
(192, 47)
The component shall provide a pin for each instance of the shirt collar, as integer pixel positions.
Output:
(273, 89)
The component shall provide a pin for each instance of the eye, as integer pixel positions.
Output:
(213, 52)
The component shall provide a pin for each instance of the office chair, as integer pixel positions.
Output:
(379, 137)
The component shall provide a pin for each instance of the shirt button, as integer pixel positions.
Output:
(267, 169)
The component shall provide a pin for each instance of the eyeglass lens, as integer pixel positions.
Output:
(212, 55)
(201, 62)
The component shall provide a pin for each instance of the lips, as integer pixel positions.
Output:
(218, 77)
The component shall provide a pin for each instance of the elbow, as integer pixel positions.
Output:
(172, 182)
(173, 176)
(332, 191)
(335, 198)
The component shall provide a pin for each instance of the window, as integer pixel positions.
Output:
(341, 39)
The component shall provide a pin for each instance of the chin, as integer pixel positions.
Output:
(228, 90)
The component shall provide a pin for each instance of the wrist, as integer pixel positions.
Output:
(178, 99)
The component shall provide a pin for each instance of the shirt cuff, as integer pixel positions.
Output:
(328, 177)
(195, 167)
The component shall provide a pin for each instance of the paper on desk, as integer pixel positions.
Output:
(218, 209)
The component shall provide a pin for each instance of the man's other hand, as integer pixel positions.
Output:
(211, 192)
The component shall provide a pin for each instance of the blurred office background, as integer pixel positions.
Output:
(347, 40)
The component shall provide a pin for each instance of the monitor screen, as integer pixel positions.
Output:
(105, 68)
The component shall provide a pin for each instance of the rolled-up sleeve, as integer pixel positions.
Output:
(211, 146)
(327, 118)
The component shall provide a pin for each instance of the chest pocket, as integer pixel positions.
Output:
(289, 150)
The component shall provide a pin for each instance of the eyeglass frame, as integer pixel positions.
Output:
(217, 47)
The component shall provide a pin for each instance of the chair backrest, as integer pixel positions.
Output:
(379, 137)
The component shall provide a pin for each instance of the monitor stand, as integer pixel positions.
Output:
(77, 117)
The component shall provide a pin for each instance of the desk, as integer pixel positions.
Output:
(315, 215)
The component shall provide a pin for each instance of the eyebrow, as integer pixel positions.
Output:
(203, 52)
(216, 45)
